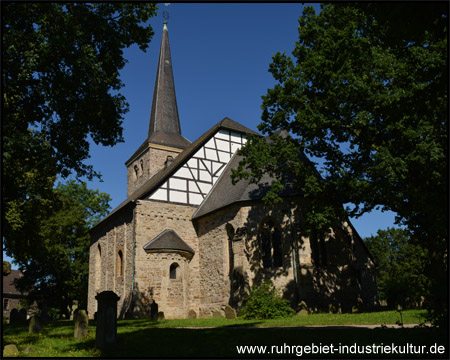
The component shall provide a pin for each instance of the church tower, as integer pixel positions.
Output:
(164, 141)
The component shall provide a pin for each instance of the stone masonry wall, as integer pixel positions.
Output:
(152, 270)
(229, 242)
(146, 167)
(231, 261)
(114, 235)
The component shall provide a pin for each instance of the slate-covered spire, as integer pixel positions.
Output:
(164, 126)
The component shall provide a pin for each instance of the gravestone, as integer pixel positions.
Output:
(35, 325)
(106, 329)
(23, 316)
(10, 350)
(160, 316)
(28, 350)
(192, 314)
(302, 308)
(217, 314)
(73, 309)
(81, 324)
(230, 313)
(154, 310)
(14, 317)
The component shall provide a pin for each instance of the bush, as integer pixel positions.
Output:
(264, 302)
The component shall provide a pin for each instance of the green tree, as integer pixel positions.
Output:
(264, 302)
(400, 264)
(58, 272)
(60, 82)
(365, 97)
(6, 268)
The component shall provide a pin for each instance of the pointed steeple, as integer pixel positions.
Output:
(164, 126)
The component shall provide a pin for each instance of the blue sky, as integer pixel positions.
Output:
(220, 55)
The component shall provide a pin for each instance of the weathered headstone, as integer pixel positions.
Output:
(10, 350)
(43, 313)
(217, 314)
(14, 317)
(23, 316)
(35, 325)
(230, 313)
(73, 309)
(81, 325)
(160, 316)
(106, 329)
(28, 350)
(75, 313)
(302, 308)
(154, 310)
(192, 314)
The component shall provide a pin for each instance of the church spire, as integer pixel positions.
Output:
(164, 126)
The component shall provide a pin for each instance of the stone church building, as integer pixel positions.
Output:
(190, 241)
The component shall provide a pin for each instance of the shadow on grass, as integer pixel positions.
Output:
(223, 341)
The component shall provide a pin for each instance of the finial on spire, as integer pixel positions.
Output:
(165, 17)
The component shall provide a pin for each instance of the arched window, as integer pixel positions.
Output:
(98, 267)
(119, 264)
(272, 254)
(318, 248)
(136, 170)
(174, 272)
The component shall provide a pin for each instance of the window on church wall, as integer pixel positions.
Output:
(119, 264)
(136, 170)
(318, 249)
(98, 267)
(5, 304)
(174, 272)
(272, 253)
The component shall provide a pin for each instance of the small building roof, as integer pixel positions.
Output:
(168, 240)
(8, 283)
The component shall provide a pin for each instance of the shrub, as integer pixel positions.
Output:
(264, 302)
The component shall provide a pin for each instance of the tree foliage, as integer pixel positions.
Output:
(60, 81)
(365, 96)
(6, 268)
(400, 267)
(58, 271)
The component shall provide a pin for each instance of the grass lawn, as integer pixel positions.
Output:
(144, 338)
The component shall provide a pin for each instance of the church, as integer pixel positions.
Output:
(190, 241)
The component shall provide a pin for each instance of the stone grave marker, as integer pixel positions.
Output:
(23, 316)
(106, 329)
(14, 317)
(230, 313)
(81, 325)
(192, 314)
(302, 308)
(35, 325)
(160, 316)
(10, 350)
(73, 309)
(154, 310)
